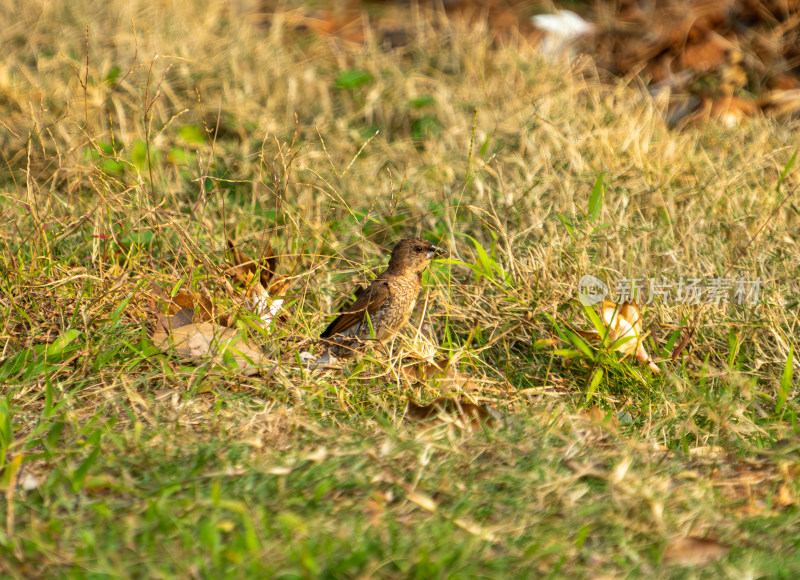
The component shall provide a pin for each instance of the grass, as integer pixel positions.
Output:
(195, 123)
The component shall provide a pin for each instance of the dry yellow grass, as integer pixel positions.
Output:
(331, 151)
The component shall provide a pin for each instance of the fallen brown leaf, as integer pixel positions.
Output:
(185, 300)
(595, 414)
(442, 373)
(624, 321)
(785, 497)
(167, 324)
(258, 279)
(468, 415)
(475, 529)
(194, 301)
(781, 101)
(729, 109)
(244, 269)
(422, 500)
(200, 341)
(374, 509)
(257, 286)
(692, 551)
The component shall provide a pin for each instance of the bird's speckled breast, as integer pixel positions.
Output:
(398, 307)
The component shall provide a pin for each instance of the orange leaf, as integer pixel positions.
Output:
(694, 551)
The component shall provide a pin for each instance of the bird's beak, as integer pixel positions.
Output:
(436, 252)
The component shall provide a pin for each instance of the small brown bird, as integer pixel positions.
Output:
(386, 304)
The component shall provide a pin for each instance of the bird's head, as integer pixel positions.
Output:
(412, 255)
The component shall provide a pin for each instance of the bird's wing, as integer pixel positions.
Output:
(369, 300)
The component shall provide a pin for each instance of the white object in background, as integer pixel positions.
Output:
(561, 30)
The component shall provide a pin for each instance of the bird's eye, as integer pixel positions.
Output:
(418, 248)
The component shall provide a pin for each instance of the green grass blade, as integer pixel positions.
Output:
(580, 344)
(596, 199)
(598, 324)
(79, 475)
(595, 382)
(787, 169)
(786, 382)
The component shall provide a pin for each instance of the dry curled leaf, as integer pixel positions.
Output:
(374, 509)
(167, 324)
(422, 500)
(596, 415)
(465, 414)
(692, 551)
(257, 287)
(782, 101)
(259, 280)
(624, 323)
(440, 373)
(204, 340)
(784, 497)
(199, 304)
(245, 268)
(195, 302)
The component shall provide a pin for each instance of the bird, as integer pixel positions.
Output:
(381, 309)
